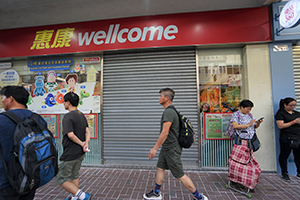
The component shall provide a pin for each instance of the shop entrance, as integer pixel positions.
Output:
(220, 78)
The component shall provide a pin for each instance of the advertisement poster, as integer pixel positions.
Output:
(92, 120)
(215, 126)
(220, 98)
(52, 123)
(52, 102)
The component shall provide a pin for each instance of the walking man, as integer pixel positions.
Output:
(76, 137)
(14, 99)
(170, 153)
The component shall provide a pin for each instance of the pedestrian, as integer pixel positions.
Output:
(14, 99)
(288, 121)
(243, 121)
(170, 153)
(76, 137)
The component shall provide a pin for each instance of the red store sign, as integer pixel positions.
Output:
(201, 28)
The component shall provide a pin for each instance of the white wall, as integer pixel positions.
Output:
(258, 83)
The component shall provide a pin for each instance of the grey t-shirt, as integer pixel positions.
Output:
(170, 115)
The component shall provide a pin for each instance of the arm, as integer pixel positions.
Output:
(162, 137)
(87, 139)
(75, 139)
(282, 125)
(236, 125)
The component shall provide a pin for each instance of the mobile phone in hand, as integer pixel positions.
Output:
(260, 118)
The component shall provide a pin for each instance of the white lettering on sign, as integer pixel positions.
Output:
(135, 34)
(5, 65)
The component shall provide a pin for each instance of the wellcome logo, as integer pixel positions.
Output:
(61, 38)
(115, 34)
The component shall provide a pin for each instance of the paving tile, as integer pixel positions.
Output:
(130, 183)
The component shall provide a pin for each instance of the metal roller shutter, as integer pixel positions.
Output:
(131, 109)
(296, 62)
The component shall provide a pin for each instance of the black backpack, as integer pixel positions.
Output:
(34, 160)
(186, 130)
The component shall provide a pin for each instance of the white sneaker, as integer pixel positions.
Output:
(152, 196)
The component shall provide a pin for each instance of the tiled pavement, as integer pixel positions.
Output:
(125, 184)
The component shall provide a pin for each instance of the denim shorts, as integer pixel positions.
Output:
(171, 159)
(68, 170)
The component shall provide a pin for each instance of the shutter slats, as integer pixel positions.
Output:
(131, 109)
(296, 63)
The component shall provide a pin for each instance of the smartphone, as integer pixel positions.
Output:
(260, 118)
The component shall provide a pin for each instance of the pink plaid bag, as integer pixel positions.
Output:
(243, 168)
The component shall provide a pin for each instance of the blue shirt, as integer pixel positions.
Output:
(7, 129)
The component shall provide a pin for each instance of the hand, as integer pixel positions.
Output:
(251, 123)
(259, 121)
(297, 120)
(152, 153)
(85, 147)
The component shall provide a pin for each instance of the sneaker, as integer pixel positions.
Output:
(88, 196)
(70, 198)
(285, 177)
(298, 176)
(203, 197)
(152, 196)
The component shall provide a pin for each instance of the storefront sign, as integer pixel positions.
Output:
(9, 77)
(5, 65)
(212, 27)
(91, 60)
(215, 126)
(290, 14)
(46, 65)
(286, 15)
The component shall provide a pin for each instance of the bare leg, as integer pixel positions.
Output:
(76, 182)
(160, 175)
(70, 187)
(188, 183)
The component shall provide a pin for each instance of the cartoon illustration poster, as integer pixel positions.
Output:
(52, 123)
(51, 100)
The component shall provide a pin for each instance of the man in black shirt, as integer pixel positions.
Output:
(76, 136)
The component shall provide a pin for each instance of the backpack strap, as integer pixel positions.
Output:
(173, 108)
(35, 117)
(251, 115)
(239, 116)
(12, 116)
(3, 160)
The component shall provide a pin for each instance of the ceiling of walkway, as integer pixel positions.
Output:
(27, 13)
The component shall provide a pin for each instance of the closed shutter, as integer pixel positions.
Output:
(296, 62)
(131, 109)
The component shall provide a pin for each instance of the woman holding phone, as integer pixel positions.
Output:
(243, 121)
(288, 120)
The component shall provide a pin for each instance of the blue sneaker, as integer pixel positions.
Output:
(88, 196)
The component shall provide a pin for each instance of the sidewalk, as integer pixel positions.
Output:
(125, 184)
